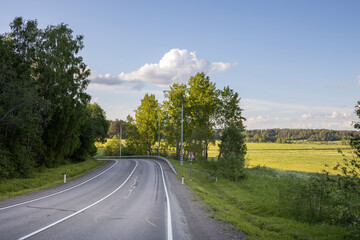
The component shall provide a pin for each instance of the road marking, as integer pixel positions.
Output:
(80, 211)
(169, 224)
(147, 219)
(65, 190)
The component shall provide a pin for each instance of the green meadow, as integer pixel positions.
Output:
(302, 157)
(252, 205)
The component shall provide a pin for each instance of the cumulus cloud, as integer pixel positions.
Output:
(175, 66)
(262, 114)
(258, 119)
(306, 116)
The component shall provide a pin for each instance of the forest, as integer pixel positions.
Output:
(46, 118)
(288, 135)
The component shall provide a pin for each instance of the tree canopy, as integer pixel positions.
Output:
(45, 115)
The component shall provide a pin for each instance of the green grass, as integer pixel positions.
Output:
(303, 157)
(295, 157)
(251, 205)
(45, 178)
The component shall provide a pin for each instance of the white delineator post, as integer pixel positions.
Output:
(64, 177)
(182, 120)
(182, 180)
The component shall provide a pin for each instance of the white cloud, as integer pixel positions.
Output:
(358, 79)
(175, 66)
(334, 115)
(262, 114)
(306, 116)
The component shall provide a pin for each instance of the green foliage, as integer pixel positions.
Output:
(114, 128)
(147, 117)
(202, 105)
(334, 199)
(355, 140)
(112, 147)
(44, 116)
(232, 167)
(44, 178)
(288, 135)
(177, 98)
(307, 199)
(94, 129)
(251, 204)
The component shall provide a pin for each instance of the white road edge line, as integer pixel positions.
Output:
(53, 194)
(169, 224)
(80, 211)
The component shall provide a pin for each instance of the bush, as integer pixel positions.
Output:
(321, 199)
(306, 199)
(232, 167)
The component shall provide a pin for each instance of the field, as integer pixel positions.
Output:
(294, 157)
(252, 204)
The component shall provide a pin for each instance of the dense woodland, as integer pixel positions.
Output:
(288, 135)
(46, 118)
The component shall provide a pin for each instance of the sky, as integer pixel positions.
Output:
(295, 64)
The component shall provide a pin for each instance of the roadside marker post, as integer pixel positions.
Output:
(191, 156)
(64, 177)
(182, 180)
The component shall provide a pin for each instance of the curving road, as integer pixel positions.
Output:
(126, 200)
(123, 199)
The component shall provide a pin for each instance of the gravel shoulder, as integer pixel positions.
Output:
(201, 224)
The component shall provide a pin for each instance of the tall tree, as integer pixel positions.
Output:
(134, 145)
(176, 98)
(147, 115)
(355, 141)
(94, 128)
(231, 121)
(202, 102)
(20, 110)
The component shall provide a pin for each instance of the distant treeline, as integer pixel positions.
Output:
(288, 135)
(265, 135)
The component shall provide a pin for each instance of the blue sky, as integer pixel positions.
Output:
(295, 64)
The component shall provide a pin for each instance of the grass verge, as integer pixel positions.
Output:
(251, 205)
(45, 178)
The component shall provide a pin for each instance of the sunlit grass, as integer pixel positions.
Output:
(304, 157)
(45, 178)
(251, 204)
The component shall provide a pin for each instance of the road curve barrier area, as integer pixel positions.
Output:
(141, 157)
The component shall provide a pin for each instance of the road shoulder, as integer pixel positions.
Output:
(201, 223)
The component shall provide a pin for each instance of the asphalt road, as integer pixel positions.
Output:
(124, 199)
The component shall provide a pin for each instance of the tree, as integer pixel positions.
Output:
(20, 111)
(114, 128)
(177, 97)
(147, 115)
(231, 121)
(44, 114)
(346, 184)
(134, 144)
(93, 129)
(355, 141)
(202, 104)
(232, 144)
